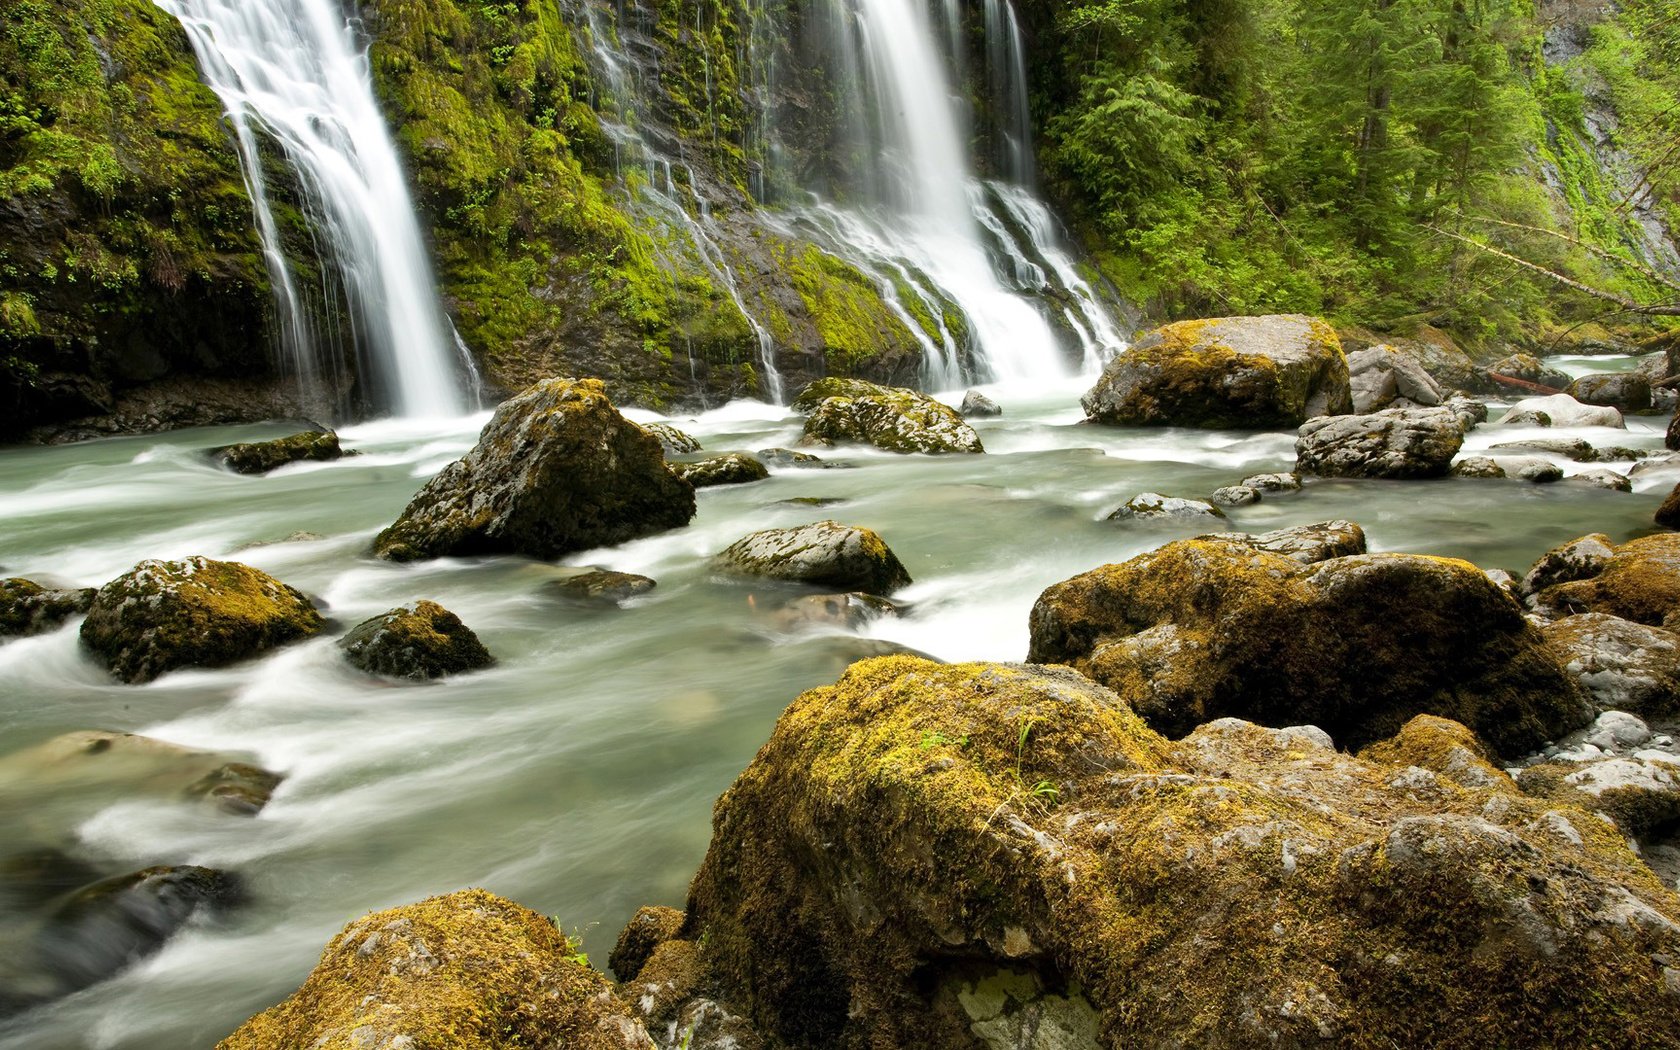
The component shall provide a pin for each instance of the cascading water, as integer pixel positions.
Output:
(290, 70)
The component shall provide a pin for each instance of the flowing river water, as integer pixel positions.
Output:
(577, 775)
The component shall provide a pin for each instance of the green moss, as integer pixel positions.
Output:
(845, 307)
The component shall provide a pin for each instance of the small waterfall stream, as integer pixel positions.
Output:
(291, 71)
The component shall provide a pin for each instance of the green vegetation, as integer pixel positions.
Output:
(1247, 156)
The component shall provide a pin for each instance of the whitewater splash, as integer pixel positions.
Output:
(291, 71)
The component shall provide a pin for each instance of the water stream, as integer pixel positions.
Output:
(577, 775)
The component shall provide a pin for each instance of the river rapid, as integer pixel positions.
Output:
(577, 775)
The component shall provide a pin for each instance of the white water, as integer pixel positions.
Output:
(291, 71)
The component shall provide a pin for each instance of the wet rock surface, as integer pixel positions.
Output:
(672, 440)
(419, 640)
(602, 587)
(1561, 410)
(1153, 507)
(260, 457)
(1395, 443)
(825, 553)
(26, 607)
(891, 418)
(734, 468)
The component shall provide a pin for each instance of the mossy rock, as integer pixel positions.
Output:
(733, 468)
(1668, 513)
(602, 586)
(674, 441)
(466, 971)
(1154, 508)
(1212, 627)
(1639, 581)
(556, 470)
(641, 937)
(1226, 372)
(260, 457)
(1624, 666)
(1393, 443)
(1627, 391)
(1641, 794)
(26, 607)
(419, 640)
(1579, 559)
(1306, 544)
(919, 833)
(825, 553)
(163, 615)
(891, 418)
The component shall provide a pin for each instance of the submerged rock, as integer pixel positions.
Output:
(1561, 410)
(556, 470)
(103, 766)
(787, 457)
(1625, 666)
(842, 611)
(1639, 581)
(419, 640)
(1394, 443)
(891, 418)
(926, 855)
(1153, 507)
(825, 553)
(603, 586)
(466, 971)
(1273, 482)
(1530, 468)
(163, 615)
(974, 403)
(26, 607)
(734, 468)
(102, 929)
(1227, 372)
(1477, 467)
(260, 457)
(1574, 448)
(1207, 628)
(1602, 479)
(672, 440)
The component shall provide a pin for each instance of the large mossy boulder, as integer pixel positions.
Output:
(892, 418)
(26, 607)
(162, 615)
(1208, 628)
(260, 457)
(985, 855)
(825, 553)
(1394, 443)
(1638, 581)
(556, 470)
(466, 971)
(1233, 372)
(419, 640)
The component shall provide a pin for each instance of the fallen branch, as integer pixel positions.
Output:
(1523, 384)
(1651, 310)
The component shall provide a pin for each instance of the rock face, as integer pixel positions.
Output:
(1011, 851)
(891, 418)
(556, 470)
(1378, 376)
(467, 971)
(162, 615)
(1154, 507)
(419, 640)
(1232, 372)
(825, 553)
(734, 468)
(1639, 581)
(1561, 410)
(1395, 443)
(1627, 391)
(1625, 666)
(26, 607)
(1205, 628)
(260, 457)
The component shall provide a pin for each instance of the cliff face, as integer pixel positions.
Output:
(126, 246)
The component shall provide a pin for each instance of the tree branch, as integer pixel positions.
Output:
(1652, 310)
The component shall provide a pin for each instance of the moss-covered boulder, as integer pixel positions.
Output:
(602, 586)
(466, 971)
(98, 930)
(733, 468)
(26, 607)
(1152, 507)
(1624, 666)
(162, 615)
(672, 440)
(1627, 391)
(556, 470)
(1393, 443)
(1244, 372)
(1527, 369)
(419, 640)
(891, 418)
(260, 457)
(1640, 792)
(825, 553)
(1207, 628)
(1579, 559)
(959, 856)
(641, 937)
(1639, 581)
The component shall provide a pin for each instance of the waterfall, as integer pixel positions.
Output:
(291, 71)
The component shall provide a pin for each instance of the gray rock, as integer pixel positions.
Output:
(260, 457)
(787, 457)
(1561, 410)
(825, 553)
(1603, 479)
(1396, 443)
(734, 468)
(1627, 391)
(974, 403)
(1273, 482)
(1468, 410)
(419, 640)
(1528, 368)
(1572, 448)
(890, 418)
(1152, 506)
(839, 611)
(1579, 559)
(1530, 468)
(1626, 666)
(1378, 375)
(674, 441)
(556, 470)
(1477, 467)
(602, 586)
(1305, 544)
(1235, 496)
(26, 607)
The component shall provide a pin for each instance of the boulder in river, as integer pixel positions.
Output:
(603, 586)
(1561, 410)
(1639, 581)
(1379, 376)
(1290, 482)
(1154, 507)
(1668, 514)
(975, 404)
(1627, 391)
(26, 607)
(672, 440)
(1306, 544)
(732, 468)
(1235, 496)
(1213, 627)
(1624, 666)
(466, 971)
(419, 640)
(1477, 467)
(1393, 443)
(260, 457)
(1573, 448)
(891, 418)
(103, 766)
(848, 611)
(787, 457)
(825, 553)
(162, 615)
(1529, 370)
(556, 470)
(931, 855)
(1227, 372)
(1602, 478)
